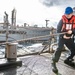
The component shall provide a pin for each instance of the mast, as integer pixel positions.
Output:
(13, 18)
(46, 22)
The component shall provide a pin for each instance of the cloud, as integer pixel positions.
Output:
(34, 11)
(50, 3)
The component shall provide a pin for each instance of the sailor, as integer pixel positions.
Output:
(66, 24)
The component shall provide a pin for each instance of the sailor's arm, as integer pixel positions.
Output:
(59, 28)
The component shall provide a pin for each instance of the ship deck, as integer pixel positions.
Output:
(39, 65)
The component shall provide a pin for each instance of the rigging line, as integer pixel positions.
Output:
(35, 37)
(45, 47)
(40, 37)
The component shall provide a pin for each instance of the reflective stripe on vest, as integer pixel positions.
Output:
(68, 25)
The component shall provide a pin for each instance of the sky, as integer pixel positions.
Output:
(34, 11)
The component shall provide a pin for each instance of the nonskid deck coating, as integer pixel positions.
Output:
(39, 65)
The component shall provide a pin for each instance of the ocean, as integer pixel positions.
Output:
(23, 49)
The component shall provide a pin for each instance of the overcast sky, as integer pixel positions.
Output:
(34, 11)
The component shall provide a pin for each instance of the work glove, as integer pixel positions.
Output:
(68, 35)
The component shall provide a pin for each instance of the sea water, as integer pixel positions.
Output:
(23, 49)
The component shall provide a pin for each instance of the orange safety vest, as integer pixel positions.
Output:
(68, 25)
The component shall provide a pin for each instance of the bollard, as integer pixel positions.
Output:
(11, 55)
(11, 51)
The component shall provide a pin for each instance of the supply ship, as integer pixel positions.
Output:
(12, 31)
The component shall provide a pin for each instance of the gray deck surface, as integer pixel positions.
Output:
(39, 65)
